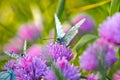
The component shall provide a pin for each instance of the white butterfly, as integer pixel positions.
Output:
(65, 38)
(16, 56)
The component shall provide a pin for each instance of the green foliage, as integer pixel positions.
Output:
(84, 40)
(81, 45)
(115, 4)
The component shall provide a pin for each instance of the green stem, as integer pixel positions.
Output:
(103, 75)
(83, 77)
(115, 4)
(108, 78)
(58, 73)
(60, 8)
(119, 52)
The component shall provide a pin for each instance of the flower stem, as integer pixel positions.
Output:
(108, 78)
(102, 75)
(60, 8)
(115, 4)
(119, 52)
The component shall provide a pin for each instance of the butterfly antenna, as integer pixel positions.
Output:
(47, 38)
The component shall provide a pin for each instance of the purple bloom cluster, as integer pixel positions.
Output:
(97, 52)
(69, 71)
(35, 68)
(11, 64)
(110, 29)
(57, 50)
(28, 68)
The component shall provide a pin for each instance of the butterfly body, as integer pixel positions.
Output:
(61, 41)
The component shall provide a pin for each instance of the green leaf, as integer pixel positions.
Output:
(60, 8)
(85, 39)
(80, 46)
(56, 70)
(115, 4)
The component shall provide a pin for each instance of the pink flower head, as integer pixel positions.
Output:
(87, 26)
(12, 47)
(117, 75)
(91, 77)
(99, 51)
(110, 29)
(29, 32)
(34, 50)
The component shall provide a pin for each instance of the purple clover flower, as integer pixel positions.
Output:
(69, 71)
(97, 52)
(28, 68)
(10, 65)
(87, 26)
(57, 50)
(110, 29)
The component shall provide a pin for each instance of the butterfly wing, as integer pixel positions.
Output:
(4, 75)
(11, 54)
(16, 56)
(72, 32)
(59, 30)
(7, 75)
(12, 75)
(24, 48)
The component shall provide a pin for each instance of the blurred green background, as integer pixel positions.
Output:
(14, 13)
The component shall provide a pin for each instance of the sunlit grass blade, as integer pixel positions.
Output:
(91, 6)
(60, 7)
(115, 5)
